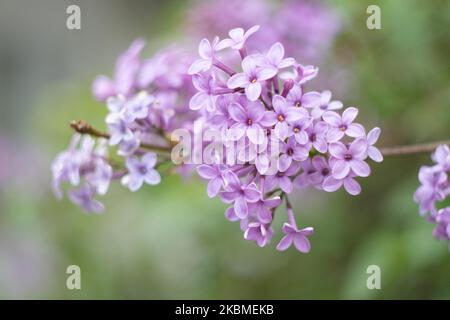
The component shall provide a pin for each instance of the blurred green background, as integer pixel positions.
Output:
(171, 241)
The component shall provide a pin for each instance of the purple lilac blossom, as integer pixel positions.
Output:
(434, 189)
(145, 100)
(263, 107)
(287, 137)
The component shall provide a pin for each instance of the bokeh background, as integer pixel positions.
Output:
(171, 241)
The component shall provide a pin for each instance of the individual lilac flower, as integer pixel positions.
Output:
(442, 229)
(317, 136)
(303, 74)
(281, 116)
(372, 151)
(207, 52)
(275, 57)
(323, 104)
(138, 107)
(431, 190)
(78, 161)
(128, 147)
(84, 197)
(214, 174)
(281, 179)
(330, 184)
(100, 178)
(248, 121)
(140, 171)
(238, 38)
(321, 172)
(66, 167)
(259, 232)
(221, 117)
(240, 194)
(116, 107)
(298, 129)
(297, 98)
(342, 125)
(118, 130)
(204, 98)
(291, 151)
(351, 158)
(442, 157)
(251, 78)
(263, 208)
(297, 237)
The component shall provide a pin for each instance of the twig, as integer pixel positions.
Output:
(412, 149)
(83, 127)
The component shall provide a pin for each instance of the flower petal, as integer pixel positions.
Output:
(238, 80)
(237, 112)
(352, 186)
(285, 242)
(241, 208)
(341, 169)
(253, 91)
(301, 243)
(152, 177)
(349, 115)
(360, 168)
(214, 186)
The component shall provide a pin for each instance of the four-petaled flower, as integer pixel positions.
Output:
(259, 232)
(238, 37)
(349, 159)
(214, 174)
(342, 125)
(322, 104)
(291, 151)
(140, 171)
(247, 121)
(297, 237)
(239, 193)
(251, 78)
(204, 98)
(207, 52)
(275, 57)
(282, 115)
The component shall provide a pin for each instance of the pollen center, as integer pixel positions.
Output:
(280, 118)
(296, 130)
(298, 104)
(343, 127)
(254, 80)
(249, 122)
(348, 157)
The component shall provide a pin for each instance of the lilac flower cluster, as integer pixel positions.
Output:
(284, 135)
(315, 25)
(145, 101)
(85, 167)
(435, 188)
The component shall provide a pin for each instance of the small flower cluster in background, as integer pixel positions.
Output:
(146, 100)
(306, 28)
(434, 189)
(265, 108)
